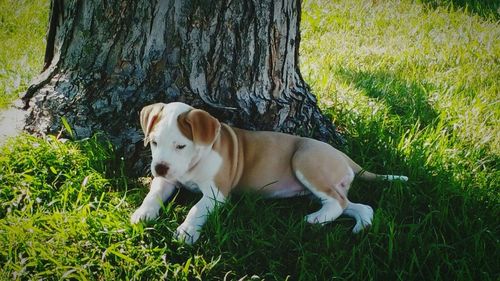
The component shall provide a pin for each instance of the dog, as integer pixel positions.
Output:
(191, 147)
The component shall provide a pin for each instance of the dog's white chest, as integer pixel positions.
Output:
(192, 186)
(203, 171)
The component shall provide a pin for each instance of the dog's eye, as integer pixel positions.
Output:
(154, 143)
(180, 146)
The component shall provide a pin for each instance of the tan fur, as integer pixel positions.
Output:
(258, 160)
(218, 158)
(325, 168)
(227, 147)
(266, 158)
(149, 117)
(199, 126)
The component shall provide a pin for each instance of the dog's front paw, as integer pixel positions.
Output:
(187, 233)
(143, 214)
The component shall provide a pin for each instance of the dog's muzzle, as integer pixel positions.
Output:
(161, 169)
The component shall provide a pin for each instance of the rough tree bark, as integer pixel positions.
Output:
(237, 59)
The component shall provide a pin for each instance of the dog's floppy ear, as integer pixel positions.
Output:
(150, 115)
(199, 126)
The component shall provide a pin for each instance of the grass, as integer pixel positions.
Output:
(484, 8)
(413, 86)
(22, 42)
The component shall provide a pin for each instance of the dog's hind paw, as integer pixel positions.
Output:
(364, 218)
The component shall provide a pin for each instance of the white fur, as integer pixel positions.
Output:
(160, 191)
(189, 230)
(330, 209)
(363, 214)
(194, 166)
(395, 178)
(164, 140)
(206, 168)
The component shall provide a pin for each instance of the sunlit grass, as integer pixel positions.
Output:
(414, 88)
(447, 59)
(22, 41)
(417, 87)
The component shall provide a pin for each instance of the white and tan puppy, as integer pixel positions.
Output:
(191, 147)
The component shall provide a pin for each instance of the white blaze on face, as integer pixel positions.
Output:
(180, 136)
(169, 146)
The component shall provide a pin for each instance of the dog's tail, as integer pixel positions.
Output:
(369, 176)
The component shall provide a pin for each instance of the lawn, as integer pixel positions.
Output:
(22, 41)
(414, 87)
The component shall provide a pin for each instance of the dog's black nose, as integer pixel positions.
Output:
(161, 169)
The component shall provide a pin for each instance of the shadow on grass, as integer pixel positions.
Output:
(445, 217)
(407, 99)
(445, 222)
(488, 9)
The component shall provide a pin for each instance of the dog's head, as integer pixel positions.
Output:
(179, 136)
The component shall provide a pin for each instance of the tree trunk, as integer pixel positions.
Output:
(238, 59)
